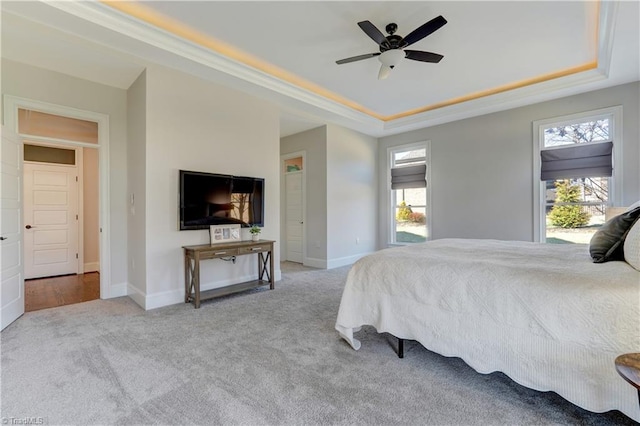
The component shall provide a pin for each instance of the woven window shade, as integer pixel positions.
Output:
(577, 161)
(409, 177)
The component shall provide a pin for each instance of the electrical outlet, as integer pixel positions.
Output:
(133, 264)
(357, 240)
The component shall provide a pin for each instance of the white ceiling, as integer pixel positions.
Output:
(286, 52)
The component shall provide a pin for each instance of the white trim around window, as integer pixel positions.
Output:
(615, 190)
(390, 205)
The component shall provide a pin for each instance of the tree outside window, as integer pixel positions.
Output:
(575, 207)
(409, 204)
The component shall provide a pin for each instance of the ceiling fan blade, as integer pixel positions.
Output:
(373, 32)
(424, 30)
(356, 58)
(418, 55)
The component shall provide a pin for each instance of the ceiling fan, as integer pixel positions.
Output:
(392, 46)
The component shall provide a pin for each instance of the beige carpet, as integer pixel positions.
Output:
(263, 357)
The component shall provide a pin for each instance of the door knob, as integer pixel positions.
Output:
(28, 226)
(3, 238)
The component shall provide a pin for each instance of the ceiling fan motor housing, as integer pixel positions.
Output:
(391, 57)
(394, 42)
(391, 28)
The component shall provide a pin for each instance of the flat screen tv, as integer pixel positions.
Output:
(212, 199)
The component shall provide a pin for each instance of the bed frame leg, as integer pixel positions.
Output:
(400, 348)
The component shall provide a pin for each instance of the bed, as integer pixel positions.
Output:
(544, 314)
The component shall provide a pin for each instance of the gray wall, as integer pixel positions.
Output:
(192, 124)
(340, 194)
(352, 182)
(314, 143)
(176, 122)
(136, 165)
(482, 167)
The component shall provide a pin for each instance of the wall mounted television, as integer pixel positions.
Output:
(213, 199)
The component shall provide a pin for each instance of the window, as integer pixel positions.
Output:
(37, 123)
(409, 193)
(47, 154)
(576, 170)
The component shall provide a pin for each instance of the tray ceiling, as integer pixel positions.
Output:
(496, 54)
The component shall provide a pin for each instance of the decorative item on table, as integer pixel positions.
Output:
(255, 232)
(224, 233)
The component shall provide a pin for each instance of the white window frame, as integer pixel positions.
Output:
(391, 206)
(615, 188)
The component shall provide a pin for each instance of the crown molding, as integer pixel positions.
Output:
(606, 28)
(114, 20)
(332, 111)
(526, 95)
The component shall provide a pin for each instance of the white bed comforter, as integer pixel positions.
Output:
(543, 314)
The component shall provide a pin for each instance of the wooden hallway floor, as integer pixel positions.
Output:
(42, 293)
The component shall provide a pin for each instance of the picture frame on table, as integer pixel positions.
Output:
(224, 233)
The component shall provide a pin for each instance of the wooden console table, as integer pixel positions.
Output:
(194, 254)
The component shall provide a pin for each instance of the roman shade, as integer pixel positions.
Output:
(409, 177)
(577, 161)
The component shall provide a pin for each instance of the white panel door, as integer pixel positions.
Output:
(50, 218)
(294, 215)
(12, 282)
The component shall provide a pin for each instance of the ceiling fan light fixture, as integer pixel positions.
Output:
(384, 72)
(391, 58)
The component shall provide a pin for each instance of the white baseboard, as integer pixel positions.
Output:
(315, 263)
(333, 263)
(172, 297)
(92, 267)
(344, 261)
(117, 290)
(136, 295)
(163, 298)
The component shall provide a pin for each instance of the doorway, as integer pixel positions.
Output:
(43, 293)
(57, 216)
(293, 169)
(98, 213)
(50, 215)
